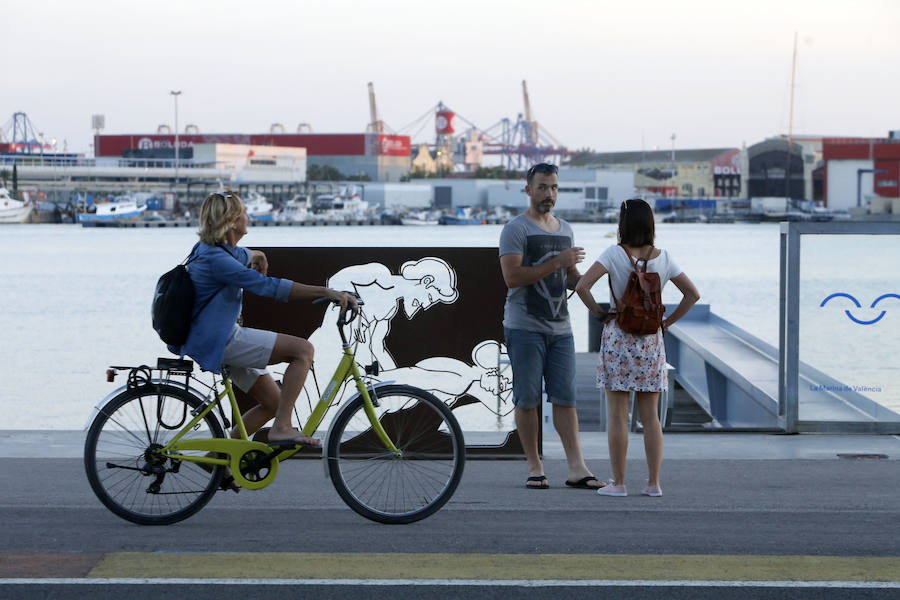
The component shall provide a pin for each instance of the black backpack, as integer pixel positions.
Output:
(173, 304)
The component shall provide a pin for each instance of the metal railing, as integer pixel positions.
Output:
(789, 330)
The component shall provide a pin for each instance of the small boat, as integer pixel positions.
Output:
(258, 207)
(418, 218)
(333, 207)
(463, 216)
(295, 210)
(121, 208)
(12, 210)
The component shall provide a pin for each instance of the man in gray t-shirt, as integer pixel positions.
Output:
(538, 258)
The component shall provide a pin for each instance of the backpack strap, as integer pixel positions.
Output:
(609, 278)
(634, 261)
(647, 259)
(612, 293)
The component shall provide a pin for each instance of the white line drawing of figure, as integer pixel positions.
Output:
(420, 284)
(485, 379)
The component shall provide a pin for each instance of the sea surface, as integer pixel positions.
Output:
(74, 300)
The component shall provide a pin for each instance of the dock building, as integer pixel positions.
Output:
(861, 173)
(376, 156)
(689, 173)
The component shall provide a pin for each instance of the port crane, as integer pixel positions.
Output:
(375, 125)
(23, 137)
(519, 143)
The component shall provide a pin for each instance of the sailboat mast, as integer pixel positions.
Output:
(787, 172)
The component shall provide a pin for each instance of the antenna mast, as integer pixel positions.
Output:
(787, 172)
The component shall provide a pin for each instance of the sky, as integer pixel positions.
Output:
(610, 76)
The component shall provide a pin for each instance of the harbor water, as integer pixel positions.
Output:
(74, 300)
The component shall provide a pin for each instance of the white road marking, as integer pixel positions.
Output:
(463, 582)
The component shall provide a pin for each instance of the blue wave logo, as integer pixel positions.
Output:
(858, 305)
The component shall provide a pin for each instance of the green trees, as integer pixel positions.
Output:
(323, 173)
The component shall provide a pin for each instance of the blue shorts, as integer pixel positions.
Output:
(535, 356)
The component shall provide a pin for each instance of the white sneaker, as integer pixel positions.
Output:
(609, 489)
(652, 490)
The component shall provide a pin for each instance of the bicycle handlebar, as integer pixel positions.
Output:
(354, 310)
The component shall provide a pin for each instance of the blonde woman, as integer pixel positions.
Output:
(221, 271)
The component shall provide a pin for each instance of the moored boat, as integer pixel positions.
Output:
(418, 218)
(463, 216)
(122, 208)
(12, 210)
(258, 207)
(295, 210)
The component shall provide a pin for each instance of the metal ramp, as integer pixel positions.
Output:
(677, 410)
(733, 376)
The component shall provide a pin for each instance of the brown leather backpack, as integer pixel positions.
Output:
(641, 310)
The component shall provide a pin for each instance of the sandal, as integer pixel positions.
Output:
(543, 483)
(584, 481)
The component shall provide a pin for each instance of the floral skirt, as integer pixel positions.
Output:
(631, 362)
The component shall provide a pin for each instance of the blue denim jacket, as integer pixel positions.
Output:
(222, 272)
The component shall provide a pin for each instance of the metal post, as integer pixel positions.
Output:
(175, 95)
(790, 342)
(782, 323)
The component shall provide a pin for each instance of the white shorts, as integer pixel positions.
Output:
(247, 353)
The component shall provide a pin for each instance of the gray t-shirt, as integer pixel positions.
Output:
(540, 306)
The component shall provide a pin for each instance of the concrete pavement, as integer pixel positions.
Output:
(773, 512)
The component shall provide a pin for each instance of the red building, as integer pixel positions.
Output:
(872, 165)
(380, 156)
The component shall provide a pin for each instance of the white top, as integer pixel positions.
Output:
(618, 263)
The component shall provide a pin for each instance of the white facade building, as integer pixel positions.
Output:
(842, 180)
(412, 196)
(256, 164)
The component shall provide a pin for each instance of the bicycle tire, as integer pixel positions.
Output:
(118, 464)
(397, 489)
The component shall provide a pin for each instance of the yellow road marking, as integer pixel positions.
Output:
(291, 565)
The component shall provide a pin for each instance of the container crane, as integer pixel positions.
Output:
(531, 126)
(375, 124)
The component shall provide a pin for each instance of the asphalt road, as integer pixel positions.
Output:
(735, 521)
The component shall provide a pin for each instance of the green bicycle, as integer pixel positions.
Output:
(156, 449)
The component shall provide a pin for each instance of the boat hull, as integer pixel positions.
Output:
(89, 217)
(15, 215)
(418, 222)
(447, 220)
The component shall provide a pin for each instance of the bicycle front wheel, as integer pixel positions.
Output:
(392, 488)
(125, 470)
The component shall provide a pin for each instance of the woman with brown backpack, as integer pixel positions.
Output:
(632, 353)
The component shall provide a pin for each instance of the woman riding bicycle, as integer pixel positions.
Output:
(220, 272)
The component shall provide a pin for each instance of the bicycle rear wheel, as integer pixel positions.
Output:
(401, 488)
(125, 473)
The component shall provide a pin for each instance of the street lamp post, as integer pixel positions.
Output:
(175, 95)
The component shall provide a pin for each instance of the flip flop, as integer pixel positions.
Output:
(544, 485)
(583, 483)
(294, 443)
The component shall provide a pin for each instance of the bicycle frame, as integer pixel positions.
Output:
(237, 449)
